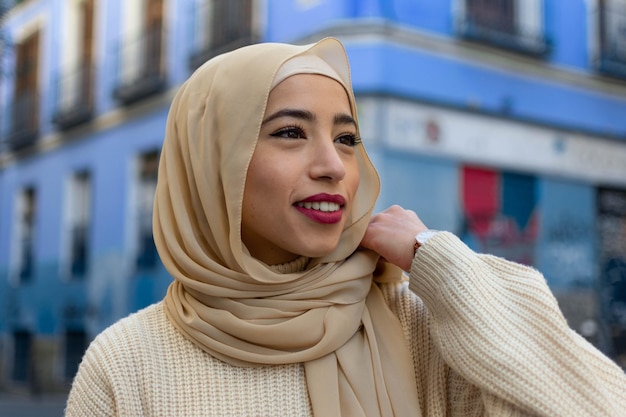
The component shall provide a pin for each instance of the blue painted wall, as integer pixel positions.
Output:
(567, 29)
(417, 74)
(566, 246)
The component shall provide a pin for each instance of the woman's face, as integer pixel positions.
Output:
(304, 173)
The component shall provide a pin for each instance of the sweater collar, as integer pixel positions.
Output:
(297, 265)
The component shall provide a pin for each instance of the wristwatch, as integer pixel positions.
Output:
(422, 237)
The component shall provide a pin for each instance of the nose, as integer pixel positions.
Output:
(326, 162)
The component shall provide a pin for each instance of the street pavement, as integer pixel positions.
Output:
(23, 405)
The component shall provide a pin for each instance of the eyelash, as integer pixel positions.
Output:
(353, 140)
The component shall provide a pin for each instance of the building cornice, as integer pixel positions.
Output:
(380, 30)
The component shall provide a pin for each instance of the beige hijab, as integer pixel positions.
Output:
(330, 316)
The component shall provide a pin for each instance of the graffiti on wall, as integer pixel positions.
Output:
(612, 256)
(499, 211)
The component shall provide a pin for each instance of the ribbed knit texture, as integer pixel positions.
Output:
(142, 366)
(486, 338)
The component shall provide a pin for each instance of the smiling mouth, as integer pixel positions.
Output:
(322, 212)
(325, 206)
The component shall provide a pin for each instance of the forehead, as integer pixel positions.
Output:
(308, 89)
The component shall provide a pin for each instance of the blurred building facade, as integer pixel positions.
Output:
(503, 121)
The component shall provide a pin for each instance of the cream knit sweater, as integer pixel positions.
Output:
(486, 335)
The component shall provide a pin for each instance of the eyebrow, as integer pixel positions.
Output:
(339, 119)
(344, 119)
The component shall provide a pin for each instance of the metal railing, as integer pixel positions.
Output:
(220, 26)
(141, 67)
(74, 97)
(498, 24)
(611, 58)
(22, 120)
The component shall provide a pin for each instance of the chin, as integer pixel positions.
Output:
(318, 252)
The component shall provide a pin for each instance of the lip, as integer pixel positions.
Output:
(323, 217)
(331, 198)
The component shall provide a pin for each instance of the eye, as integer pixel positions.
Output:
(289, 132)
(348, 139)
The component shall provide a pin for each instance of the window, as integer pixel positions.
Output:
(74, 85)
(79, 224)
(24, 118)
(611, 204)
(495, 14)
(24, 243)
(75, 345)
(142, 65)
(22, 345)
(611, 37)
(220, 26)
(147, 256)
(516, 25)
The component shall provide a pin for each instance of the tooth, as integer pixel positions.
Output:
(321, 205)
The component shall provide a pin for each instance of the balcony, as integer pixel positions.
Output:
(141, 70)
(611, 56)
(22, 129)
(220, 26)
(505, 24)
(210, 49)
(74, 97)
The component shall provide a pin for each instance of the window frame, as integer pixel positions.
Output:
(74, 87)
(527, 36)
(78, 215)
(23, 117)
(142, 35)
(203, 14)
(25, 229)
(144, 256)
(604, 59)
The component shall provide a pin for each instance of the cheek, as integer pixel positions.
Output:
(263, 183)
(263, 176)
(251, 190)
(353, 177)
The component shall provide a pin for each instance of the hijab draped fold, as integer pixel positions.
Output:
(330, 316)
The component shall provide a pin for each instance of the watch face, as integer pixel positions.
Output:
(423, 237)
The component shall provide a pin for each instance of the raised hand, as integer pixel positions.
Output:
(391, 233)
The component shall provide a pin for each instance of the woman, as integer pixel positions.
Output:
(288, 297)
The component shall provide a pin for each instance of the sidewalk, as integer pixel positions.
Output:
(21, 405)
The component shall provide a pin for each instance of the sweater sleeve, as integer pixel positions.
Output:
(498, 327)
(91, 393)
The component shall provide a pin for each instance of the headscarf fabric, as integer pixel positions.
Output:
(330, 316)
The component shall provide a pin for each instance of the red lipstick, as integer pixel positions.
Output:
(322, 208)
